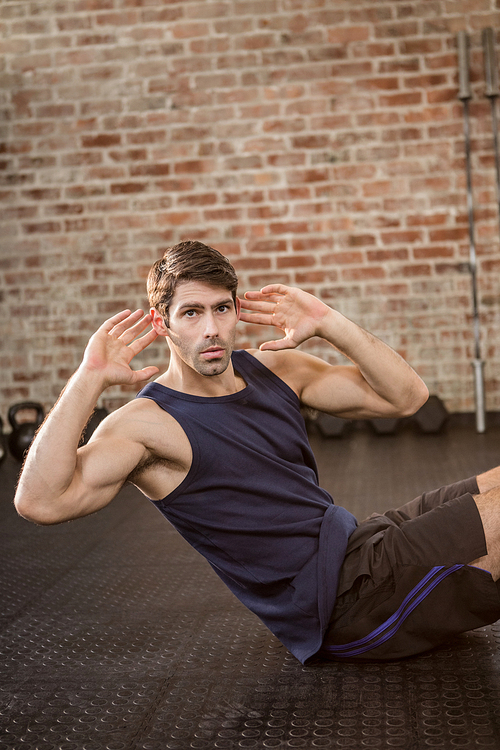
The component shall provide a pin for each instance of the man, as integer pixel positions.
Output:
(218, 444)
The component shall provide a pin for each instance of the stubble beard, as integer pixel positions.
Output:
(209, 368)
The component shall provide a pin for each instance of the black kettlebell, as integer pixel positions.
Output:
(23, 433)
(93, 423)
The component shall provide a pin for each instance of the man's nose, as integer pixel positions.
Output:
(211, 327)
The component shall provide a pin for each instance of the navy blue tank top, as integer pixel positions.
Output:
(252, 506)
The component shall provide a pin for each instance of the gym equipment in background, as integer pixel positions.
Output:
(464, 94)
(93, 423)
(24, 431)
(432, 416)
(329, 426)
(383, 426)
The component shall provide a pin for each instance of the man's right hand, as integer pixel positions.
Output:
(114, 345)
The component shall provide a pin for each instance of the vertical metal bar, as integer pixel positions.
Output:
(464, 94)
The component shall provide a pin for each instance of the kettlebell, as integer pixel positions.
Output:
(23, 433)
(93, 423)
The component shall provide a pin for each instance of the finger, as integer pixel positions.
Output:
(135, 328)
(278, 345)
(262, 297)
(140, 344)
(260, 305)
(260, 319)
(108, 325)
(275, 289)
(147, 372)
(125, 325)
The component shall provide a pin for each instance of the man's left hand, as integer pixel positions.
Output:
(295, 312)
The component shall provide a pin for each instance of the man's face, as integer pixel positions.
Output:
(202, 326)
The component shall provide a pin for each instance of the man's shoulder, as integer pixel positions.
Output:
(290, 365)
(142, 422)
(135, 416)
(284, 360)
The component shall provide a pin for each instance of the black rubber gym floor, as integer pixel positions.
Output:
(115, 635)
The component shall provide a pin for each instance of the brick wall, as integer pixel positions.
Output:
(315, 142)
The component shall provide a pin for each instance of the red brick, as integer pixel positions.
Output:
(315, 277)
(310, 141)
(421, 46)
(307, 175)
(203, 199)
(64, 209)
(128, 187)
(267, 246)
(346, 34)
(175, 185)
(84, 225)
(363, 274)
(434, 251)
(386, 83)
(189, 30)
(407, 99)
(295, 261)
(344, 258)
(102, 140)
(430, 184)
(413, 270)
(406, 236)
(258, 281)
(265, 144)
(361, 240)
(86, 157)
(42, 227)
(380, 256)
(18, 212)
(381, 187)
(195, 166)
(154, 170)
(286, 160)
(223, 214)
(178, 218)
(399, 64)
(426, 220)
(451, 234)
(251, 264)
(243, 162)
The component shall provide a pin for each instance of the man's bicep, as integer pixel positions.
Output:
(102, 468)
(341, 390)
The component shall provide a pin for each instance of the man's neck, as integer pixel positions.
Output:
(184, 379)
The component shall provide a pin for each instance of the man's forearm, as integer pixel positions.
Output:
(388, 374)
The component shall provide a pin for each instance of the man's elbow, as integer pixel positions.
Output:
(416, 399)
(34, 511)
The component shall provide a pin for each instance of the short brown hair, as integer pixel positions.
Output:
(190, 260)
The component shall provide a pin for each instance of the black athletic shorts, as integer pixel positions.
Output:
(406, 584)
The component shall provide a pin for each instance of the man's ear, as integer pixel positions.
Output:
(238, 308)
(158, 323)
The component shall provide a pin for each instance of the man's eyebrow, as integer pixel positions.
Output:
(198, 305)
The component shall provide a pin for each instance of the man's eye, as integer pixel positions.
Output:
(223, 308)
(190, 313)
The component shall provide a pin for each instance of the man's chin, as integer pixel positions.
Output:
(214, 367)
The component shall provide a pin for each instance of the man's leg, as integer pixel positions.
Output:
(488, 504)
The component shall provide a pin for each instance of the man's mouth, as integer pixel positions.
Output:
(214, 352)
